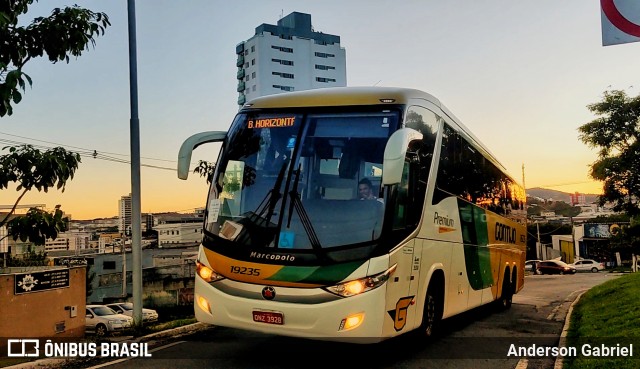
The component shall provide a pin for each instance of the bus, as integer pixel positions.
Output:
(289, 249)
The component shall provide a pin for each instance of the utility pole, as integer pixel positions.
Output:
(136, 237)
(538, 244)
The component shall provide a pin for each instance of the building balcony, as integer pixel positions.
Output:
(240, 48)
(240, 74)
(241, 86)
(240, 61)
(242, 99)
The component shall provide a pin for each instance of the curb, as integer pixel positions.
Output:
(49, 363)
(567, 321)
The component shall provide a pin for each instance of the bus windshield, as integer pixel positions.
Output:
(289, 180)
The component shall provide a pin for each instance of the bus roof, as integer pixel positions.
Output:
(340, 96)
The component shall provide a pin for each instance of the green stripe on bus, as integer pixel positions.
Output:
(332, 273)
(292, 273)
(329, 274)
(475, 236)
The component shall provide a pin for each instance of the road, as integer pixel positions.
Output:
(480, 338)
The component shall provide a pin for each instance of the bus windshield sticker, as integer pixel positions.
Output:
(286, 240)
(214, 210)
(271, 122)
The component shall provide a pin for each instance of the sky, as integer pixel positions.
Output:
(518, 74)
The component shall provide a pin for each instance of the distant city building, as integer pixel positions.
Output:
(179, 229)
(124, 207)
(578, 199)
(289, 56)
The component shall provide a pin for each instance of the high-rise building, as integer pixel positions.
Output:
(289, 56)
(124, 207)
(578, 199)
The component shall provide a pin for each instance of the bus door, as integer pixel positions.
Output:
(403, 289)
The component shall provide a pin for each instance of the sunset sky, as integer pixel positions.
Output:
(519, 74)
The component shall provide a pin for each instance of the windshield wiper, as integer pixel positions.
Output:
(304, 217)
(268, 204)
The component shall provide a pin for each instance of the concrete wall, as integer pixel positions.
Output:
(43, 313)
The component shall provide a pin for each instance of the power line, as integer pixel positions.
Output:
(86, 152)
(80, 148)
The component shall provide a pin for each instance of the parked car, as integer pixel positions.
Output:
(103, 321)
(555, 267)
(529, 266)
(126, 308)
(588, 265)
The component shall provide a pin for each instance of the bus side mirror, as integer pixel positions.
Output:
(394, 154)
(184, 155)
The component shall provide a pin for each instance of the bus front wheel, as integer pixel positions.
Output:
(432, 312)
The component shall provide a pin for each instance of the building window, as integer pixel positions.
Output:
(283, 49)
(283, 88)
(107, 265)
(324, 67)
(286, 37)
(253, 62)
(253, 75)
(253, 49)
(283, 75)
(322, 42)
(253, 88)
(324, 55)
(282, 62)
(322, 79)
(247, 78)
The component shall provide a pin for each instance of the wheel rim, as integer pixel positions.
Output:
(101, 330)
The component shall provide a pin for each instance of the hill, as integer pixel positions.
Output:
(546, 193)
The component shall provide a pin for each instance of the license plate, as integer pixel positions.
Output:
(269, 317)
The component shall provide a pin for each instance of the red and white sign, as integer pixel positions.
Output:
(620, 21)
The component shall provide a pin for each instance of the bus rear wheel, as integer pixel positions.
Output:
(506, 297)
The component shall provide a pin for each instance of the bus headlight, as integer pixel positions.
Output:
(358, 286)
(206, 273)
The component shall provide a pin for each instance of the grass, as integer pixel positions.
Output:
(608, 314)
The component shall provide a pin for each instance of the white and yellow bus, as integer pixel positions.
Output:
(288, 248)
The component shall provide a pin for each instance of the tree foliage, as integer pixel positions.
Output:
(205, 169)
(29, 169)
(66, 32)
(615, 133)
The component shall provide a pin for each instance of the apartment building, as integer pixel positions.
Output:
(289, 56)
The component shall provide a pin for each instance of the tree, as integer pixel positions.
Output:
(66, 32)
(616, 134)
(30, 169)
(205, 169)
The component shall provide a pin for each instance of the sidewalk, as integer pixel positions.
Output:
(153, 338)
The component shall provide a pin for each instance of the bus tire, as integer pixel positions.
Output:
(433, 308)
(506, 297)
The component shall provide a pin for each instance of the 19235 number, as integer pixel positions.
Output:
(245, 270)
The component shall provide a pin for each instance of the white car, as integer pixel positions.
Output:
(529, 264)
(586, 265)
(103, 321)
(126, 308)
